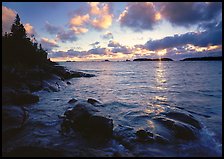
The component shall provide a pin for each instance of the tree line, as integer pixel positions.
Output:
(18, 48)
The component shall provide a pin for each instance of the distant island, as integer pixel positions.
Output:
(211, 58)
(147, 59)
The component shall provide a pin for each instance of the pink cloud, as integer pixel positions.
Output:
(79, 20)
(8, 17)
(48, 44)
(79, 30)
(29, 29)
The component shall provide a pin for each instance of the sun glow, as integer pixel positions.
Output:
(161, 52)
(158, 16)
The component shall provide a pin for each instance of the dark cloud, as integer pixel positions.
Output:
(95, 44)
(190, 13)
(202, 39)
(116, 47)
(67, 54)
(139, 16)
(98, 51)
(51, 29)
(65, 36)
(107, 36)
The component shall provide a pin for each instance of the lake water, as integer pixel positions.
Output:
(133, 93)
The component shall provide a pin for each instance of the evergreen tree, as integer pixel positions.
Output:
(17, 29)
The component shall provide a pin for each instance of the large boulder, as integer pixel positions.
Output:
(25, 98)
(13, 119)
(88, 120)
(18, 97)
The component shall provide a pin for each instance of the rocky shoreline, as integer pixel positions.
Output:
(18, 87)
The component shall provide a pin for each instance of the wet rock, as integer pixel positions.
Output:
(189, 119)
(72, 101)
(34, 85)
(34, 151)
(13, 118)
(7, 95)
(144, 136)
(93, 101)
(161, 139)
(125, 135)
(179, 129)
(50, 86)
(25, 98)
(85, 118)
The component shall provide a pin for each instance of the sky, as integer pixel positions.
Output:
(116, 31)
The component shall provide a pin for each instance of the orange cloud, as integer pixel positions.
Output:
(8, 17)
(29, 29)
(48, 44)
(79, 30)
(104, 18)
(79, 20)
(94, 9)
(103, 22)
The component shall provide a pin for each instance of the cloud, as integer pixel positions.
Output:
(139, 16)
(95, 44)
(190, 13)
(94, 9)
(107, 35)
(79, 30)
(51, 29)
(118, 48)
(48, 44)
(65, 36)
(67, 54)
(30, 29)
(104, 17)
(79, 20)
(98, 51)
(102, 22)
(202, 39)
(8, 17)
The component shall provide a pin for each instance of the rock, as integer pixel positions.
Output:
(25, 98)
(72, 101)
(50, 86)
(144, 136)
(68, 83)
(85, 118)
(189, 119)
(18, 97)
(34, 151)
(93, 101)
(8, 95)
(178, 129)
(161, 139)
(13, 118)
(34, 85)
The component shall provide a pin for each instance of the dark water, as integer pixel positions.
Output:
(135, 92)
